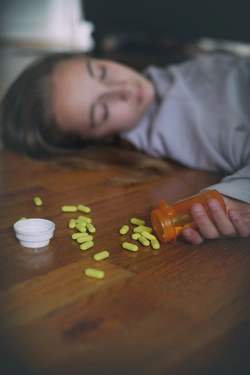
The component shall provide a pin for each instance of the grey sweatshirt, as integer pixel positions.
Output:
(201, 118)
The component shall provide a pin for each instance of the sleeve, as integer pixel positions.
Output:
(235, 186)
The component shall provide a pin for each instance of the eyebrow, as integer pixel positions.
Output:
(91, 112)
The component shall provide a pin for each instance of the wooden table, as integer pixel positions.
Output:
(182, 309)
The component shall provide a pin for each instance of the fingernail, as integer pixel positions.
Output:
(233, 214)
(213, 204)
(196, 209)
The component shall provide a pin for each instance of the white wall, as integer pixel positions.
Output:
(52, 22)
(29, 28)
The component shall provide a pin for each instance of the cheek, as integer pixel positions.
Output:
(125, 115)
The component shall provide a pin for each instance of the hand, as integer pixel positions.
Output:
(236, 222)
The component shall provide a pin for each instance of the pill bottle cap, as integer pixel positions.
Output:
(162, 222)
(34, 233)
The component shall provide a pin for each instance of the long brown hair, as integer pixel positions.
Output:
(27, 124)
(28, 127)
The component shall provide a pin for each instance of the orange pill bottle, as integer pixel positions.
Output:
(168, 221)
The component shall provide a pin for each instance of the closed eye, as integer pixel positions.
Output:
(103, 72)
(106, 112)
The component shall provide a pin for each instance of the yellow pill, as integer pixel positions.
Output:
(97, 274)
(192, 224)
(38, 201)
(85, 218)
(81, 222)
(22, 218)
(80, 228)
(140, 228)
(84, 239)
(86, 245)
(155, 244)
(90, 228)
(102, 255)
(124, 229)
(178, 230)
(72, 223)
(69, 208)
(136, 221)
(130, 246)
(148, 235)
(135, 236)
(74, 236)
(83, 208)
(144, 241)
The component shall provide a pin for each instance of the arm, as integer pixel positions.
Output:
(236, 193)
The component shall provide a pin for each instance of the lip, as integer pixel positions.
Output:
(139, 92)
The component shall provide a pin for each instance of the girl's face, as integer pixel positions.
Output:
(98, 98)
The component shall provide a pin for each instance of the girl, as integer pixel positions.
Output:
(196, 113)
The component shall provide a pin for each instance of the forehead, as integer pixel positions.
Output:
(69, 82)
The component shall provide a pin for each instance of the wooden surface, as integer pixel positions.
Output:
(182, 309)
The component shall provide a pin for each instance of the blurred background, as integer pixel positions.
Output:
(134, 32)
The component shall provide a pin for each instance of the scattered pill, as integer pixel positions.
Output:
(22, 218)
(102, 255)
(72, 223)
(97, 274)
(130, 246)
(80, 228)
(38, 202)
(140, 228)
(85, 218)
(83, 208)
(148, 235)
(69, 208)
(84, 239)
(74, 236)
(90, 228)
(135, 236)
(144, 241)
(155, 244)
(136, 221)
(86, 245)
(124, 229)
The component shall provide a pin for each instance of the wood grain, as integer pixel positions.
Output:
(177, 310)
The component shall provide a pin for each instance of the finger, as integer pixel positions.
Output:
(242, 227)
(223, 224)
(221, 220)
(192, 236)
(206, 228)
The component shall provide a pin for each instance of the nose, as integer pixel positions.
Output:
(119, 90)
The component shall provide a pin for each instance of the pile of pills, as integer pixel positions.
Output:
(141, 233)
(85, 230)
(83, 224)
(84, 236)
